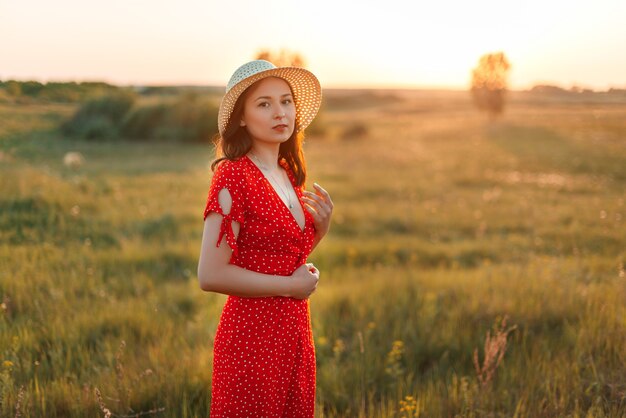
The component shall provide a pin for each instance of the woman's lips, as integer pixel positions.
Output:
(280, 127)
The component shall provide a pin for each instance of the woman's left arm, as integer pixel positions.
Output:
(320, 206)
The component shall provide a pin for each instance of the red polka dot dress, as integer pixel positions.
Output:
(263, 355)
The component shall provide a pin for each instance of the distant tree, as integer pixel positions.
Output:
(31, 88)
(57, 91)
(580, 90)
(283, 58)
(13, 87)
(548, 89)
(489, 83)
(614, 90)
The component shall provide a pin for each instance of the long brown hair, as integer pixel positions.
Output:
(235, 143)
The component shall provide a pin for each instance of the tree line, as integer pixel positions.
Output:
(63, 92)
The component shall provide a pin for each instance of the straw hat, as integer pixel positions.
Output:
(306, 89)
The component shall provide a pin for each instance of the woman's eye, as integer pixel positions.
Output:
(287, 101)
(264, 104)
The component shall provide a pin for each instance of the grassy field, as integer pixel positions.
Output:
(445, 226)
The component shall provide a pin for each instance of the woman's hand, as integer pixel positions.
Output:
(304, 281)
(320, 206)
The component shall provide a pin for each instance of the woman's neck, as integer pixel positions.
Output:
(266, 156)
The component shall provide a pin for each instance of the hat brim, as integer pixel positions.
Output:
(306, 89)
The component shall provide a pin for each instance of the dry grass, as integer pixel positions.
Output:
(443, 224)
(494, 350)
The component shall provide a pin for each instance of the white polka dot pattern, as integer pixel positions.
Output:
(307, 92)
(263, 355)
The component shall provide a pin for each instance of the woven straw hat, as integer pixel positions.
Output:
(307, 92)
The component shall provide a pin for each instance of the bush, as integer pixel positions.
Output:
(97, 127)
(13, 88)
(187, 119)
(99, 118)
(5, 97)
(141, 122)
(31, 88)
(112, 106)
(62, 92)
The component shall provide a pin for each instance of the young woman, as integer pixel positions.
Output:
(260, 226)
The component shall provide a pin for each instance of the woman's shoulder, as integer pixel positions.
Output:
(238, 170)
(232, 167)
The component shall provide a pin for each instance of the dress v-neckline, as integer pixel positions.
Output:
(291, 215)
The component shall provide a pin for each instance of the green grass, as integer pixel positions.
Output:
(443, 226)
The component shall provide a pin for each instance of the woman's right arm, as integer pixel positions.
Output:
(216, 274)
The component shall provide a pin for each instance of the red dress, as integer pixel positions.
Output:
(263, 355)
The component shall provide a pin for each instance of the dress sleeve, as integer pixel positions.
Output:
(227, 176)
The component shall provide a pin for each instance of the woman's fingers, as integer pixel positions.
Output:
(316, 273)
(316, 212)
(320, 202)
(316, 218)
(312, 268)
(320, 197)
(317, 205)
(324, 193)
(320, 206)
(314, 196)
(312, 205)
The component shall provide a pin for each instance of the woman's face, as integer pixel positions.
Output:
(269, 112)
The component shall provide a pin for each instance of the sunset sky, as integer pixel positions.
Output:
(349, 43)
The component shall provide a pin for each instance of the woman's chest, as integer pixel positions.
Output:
(269, 221)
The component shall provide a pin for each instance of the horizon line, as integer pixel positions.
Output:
(572, 86)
